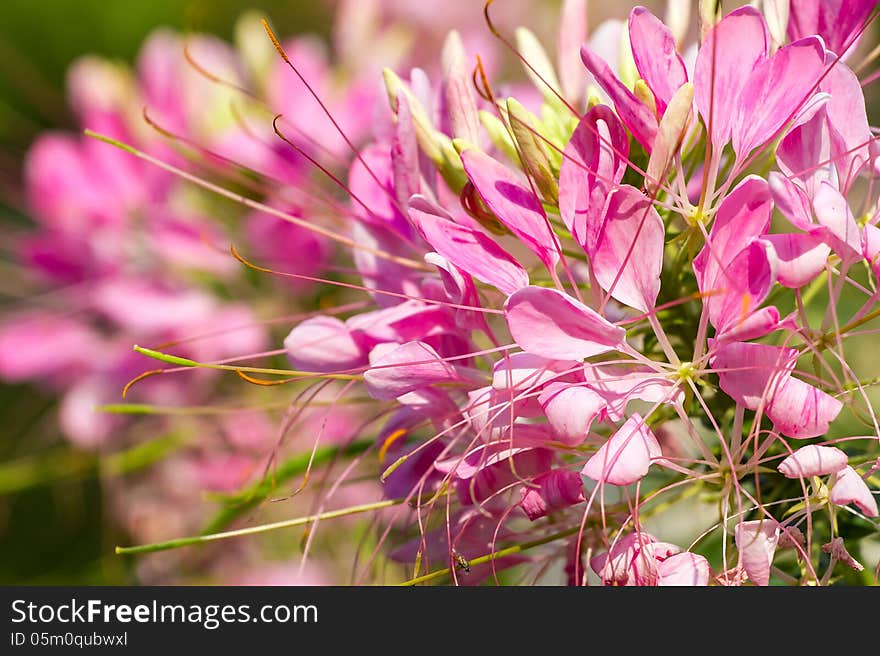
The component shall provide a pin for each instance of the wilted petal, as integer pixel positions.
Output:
(850, 488)
(800, 410)
(813, 460)
(757, 541)
(837, 549)
(551, 324)
(628, 256)
(683, 569)
(727, 57)
(800, 257)
(626, 456)
(323, 344)
(396, 370)
(467, 248)
(640, 119)
(656, 57)
(511, 200)
(557, 489)
(594, 162)
(571, 409)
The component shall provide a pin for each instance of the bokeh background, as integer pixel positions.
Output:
(54, 526)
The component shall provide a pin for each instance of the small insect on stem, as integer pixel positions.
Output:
(461, 562)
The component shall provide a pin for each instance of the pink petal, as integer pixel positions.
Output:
(727, 57)
(813, 460)
(38, 345)
(757, 541)
(851, 488)
(837, 21)
(792, 201)
(514, 203)
(801, 155)
(871, 247)
(379, 197)
(780, 86)
(594, 162)
(800, 257)
(570, 410)
(833, 213)
(397, 370)
(656, 57)
(551, 324)
(640, 120)
(800, 410)
(461, 101)
(626, 456)
(628, 256)
(572, 33)
(526, 371)
(847, 121)
(749, 372)
(684, 569)
(757, 324)
(470, 250)
(493, 467)
(323, 344)
(557, 489)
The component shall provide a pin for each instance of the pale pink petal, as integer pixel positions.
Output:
(323, 344)
(756, 542)
(628, 256)
(684, 569)
(594, 162)
(656, 57)
(640, 120)
(572, 33)
(800, 257)
(813, 460)
(780, 86)
(804, 155)
(727, 57)
(847, 121)
(627, 455)
(570, 410)
(513, 202)
(551, 324)
(833, 213)
(557, 489)
(470, 250)
(792, 201)
(871, 247)
(849, 488)
(461, 101)
(800, 410)
(527, 370)
(395, 371)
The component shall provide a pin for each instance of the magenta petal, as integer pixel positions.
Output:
(813, 460)
(727, 57)
(656, 57)
(628, 256)
(626, 456)
(468, 249)
(838, 22)
(792, 201)
(513, 202)
(683, 569)
(635, 115)
(800, 257)
(570, 410)
(553, 325)
(851, 488)
(800, 410)
(757, 541)
(397, 370)
(757, 324)
(780, 86)
(594, 163)
(557, 489)
(323, 344)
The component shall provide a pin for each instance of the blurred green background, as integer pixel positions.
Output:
(51, 516)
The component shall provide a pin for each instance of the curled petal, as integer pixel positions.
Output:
(757, 542)
(323, 344)
(551, 324)
(800, 410)
(684, 569)
(571, 409)
(627, 455)
(397, 370)
(555, 490)
(832, 212)
(800, 257)
(813, 460)
(850, 488)
(750, 372)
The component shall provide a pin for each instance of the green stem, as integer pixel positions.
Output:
(254, 530)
